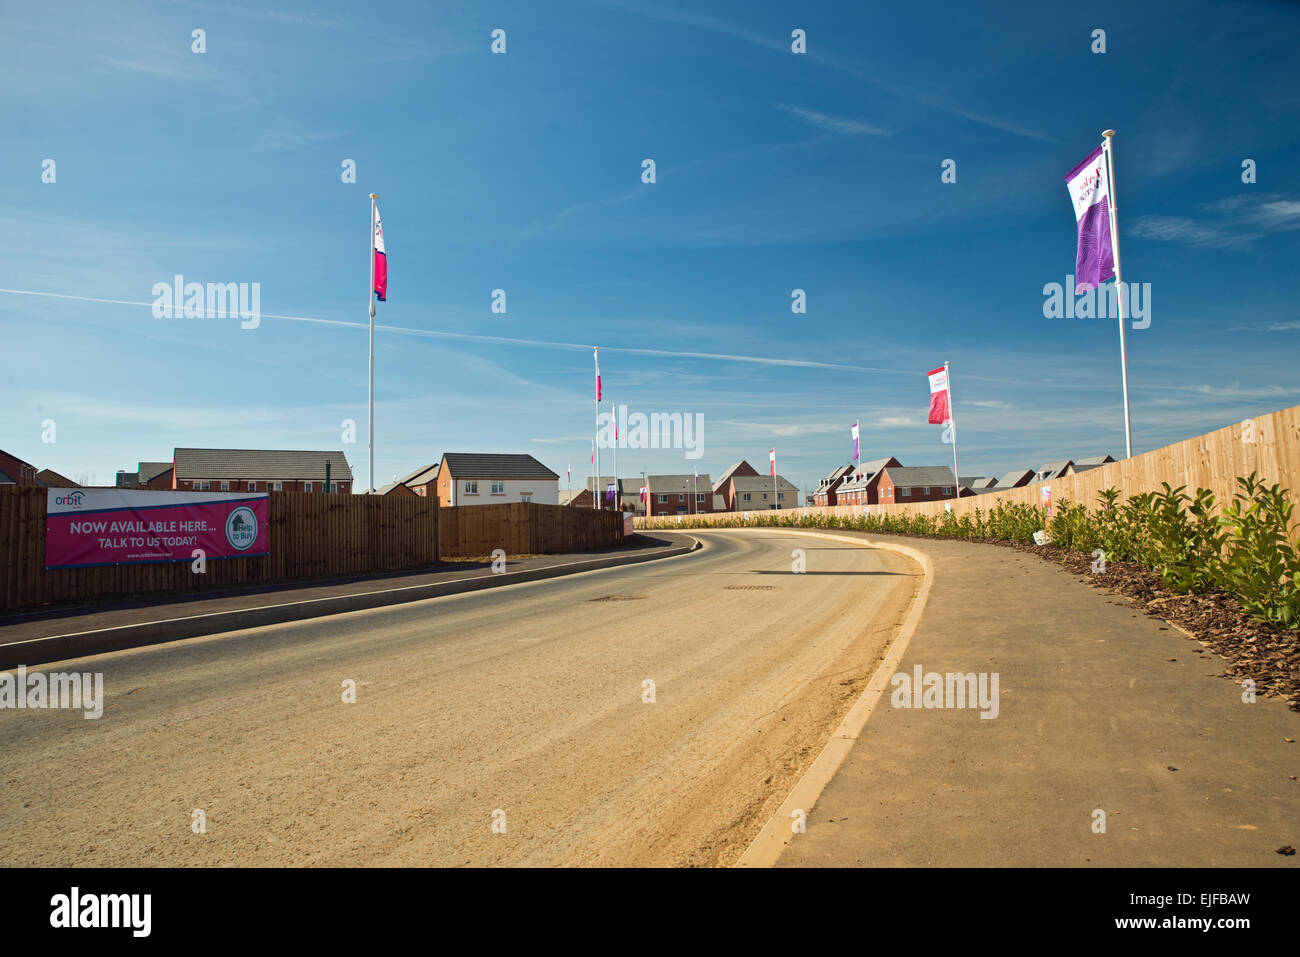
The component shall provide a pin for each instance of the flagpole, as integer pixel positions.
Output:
(600, 492)
(1119, 282)
(618, 504)
(373, 197)
(952, 418)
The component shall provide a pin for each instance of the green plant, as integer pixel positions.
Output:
(1262, 563)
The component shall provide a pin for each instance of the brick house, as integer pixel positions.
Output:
(679, 494)
(824, 494)
(577, 497)
(393, 488)
(422, 482)
(14, 471)
(863, 486)
(927, 483)
(260, 470)
(52, 479)
(472, 478)
(628, 493)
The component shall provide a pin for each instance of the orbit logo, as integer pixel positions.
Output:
(72, 498)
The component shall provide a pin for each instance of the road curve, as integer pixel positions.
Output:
(520, 707)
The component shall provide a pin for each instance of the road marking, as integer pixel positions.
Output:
(766, 848)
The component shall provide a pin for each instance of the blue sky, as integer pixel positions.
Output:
(522, 171)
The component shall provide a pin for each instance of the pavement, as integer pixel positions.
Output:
(73, 630)
(1115, 743)
(650, 714)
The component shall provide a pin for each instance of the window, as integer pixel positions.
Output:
(745, 497)
(420, 490)
(925, 490)
(525, 496)
(663, 499)
(279, 486)
(252, 486)
(947, 490)
(201, 486)
(306, 486)
(225, 486)
(499, 488)
(334, 488)
(681, 498)
(699, 498)
(780, 494)
(907, 492)
(471, 488)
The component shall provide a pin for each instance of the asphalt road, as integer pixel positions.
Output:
(501, 727)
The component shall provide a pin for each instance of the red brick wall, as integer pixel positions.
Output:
(671, 506)
(18, 470)
(889, 494)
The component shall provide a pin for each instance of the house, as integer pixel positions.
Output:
(14, 471)
(1090, 463)
(863, 488)
(1016, 478)
(977, 482)
(422, 482)
(679, 494)
(926, 483)
(749, 493)
(738, 468)
(577, 497)
(52, 479)
(260, 470)
(476, 478)
(392, 488)
(147, 475)
(1053, 470)
(826, 489)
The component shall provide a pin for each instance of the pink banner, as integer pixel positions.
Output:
(132, 526)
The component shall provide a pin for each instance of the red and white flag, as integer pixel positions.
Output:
(940, 410)
(596, 354)
(569, 473)
(643, 491)
(771, 462)
(381, 260)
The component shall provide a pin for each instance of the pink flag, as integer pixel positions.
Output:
(1089, 187)
(381, 260)
(569, 473)
(856, 454)
(939, 410)
(771, 460)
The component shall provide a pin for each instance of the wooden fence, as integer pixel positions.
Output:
(1268, 445)
(312, 536)
(525, 528)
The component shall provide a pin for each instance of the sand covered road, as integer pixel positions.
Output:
(520, 706)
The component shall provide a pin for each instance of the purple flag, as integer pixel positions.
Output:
(855, 442)
(1089, 188)
(609, 493)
